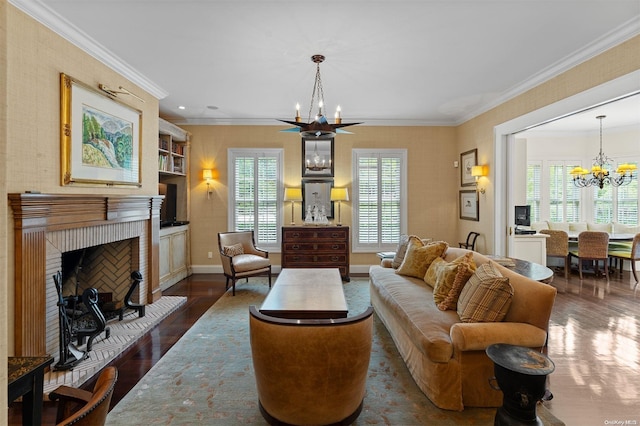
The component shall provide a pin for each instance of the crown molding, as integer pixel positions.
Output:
(613, 38)
(56, 23)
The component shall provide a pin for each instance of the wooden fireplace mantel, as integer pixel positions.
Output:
(36, 214)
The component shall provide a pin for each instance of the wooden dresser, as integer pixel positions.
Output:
(316, 247)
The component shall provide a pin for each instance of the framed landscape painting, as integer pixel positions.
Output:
(100, 137)
(467, 161)
(469, 205)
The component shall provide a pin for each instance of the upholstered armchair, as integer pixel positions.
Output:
(81, 407)
(310, 372)
(241, 258)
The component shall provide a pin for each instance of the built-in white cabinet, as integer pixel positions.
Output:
(174, 255)
(530, 247)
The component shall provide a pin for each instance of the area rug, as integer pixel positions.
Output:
(207, 377)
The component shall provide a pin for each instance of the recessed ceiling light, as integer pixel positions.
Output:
(213, 107)
(182, 107)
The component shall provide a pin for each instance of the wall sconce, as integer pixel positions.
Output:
(478, 172)
(293, 195)
(207, 176)
(339, 195)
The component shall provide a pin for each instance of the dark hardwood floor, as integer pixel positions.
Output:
(594, 341)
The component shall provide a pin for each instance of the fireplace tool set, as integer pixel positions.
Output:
(81, 317)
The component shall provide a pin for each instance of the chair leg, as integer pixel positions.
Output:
(633, 271)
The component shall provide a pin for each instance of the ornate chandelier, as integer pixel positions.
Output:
(600, 173)
(319, 128)
(317, 162)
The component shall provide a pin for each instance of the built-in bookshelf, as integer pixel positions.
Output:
(172, 154)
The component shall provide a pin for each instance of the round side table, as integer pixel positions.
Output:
(521, 374)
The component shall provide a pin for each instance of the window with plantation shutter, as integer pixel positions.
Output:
(379, 188)
(627, 202)
(254, 187)
(534, 170)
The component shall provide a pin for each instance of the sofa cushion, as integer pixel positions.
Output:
(559, 226)
(621, 228)
(601, 227)
(486, 297)
(450, 302)
(233, 250)
(577, 226)
(446, 273)
(419, 257)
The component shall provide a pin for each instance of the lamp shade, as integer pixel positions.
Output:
(339, 194)
(292, 194)
(477, 171)
(207, 174)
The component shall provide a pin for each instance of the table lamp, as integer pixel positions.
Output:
(293, 195)
(339, 195)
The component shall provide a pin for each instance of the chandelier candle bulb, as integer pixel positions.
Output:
(298, 119)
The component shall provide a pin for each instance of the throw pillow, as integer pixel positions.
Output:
(450, 303)
(401, 250)
(233, 250)
(486, 297)
(446, 275)
(419, 257)
(432, 273)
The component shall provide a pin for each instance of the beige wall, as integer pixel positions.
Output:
(479, 132)
(431, 152)
(4, 279)
(36, 56)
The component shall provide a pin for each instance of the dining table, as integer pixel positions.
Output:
(573, 236)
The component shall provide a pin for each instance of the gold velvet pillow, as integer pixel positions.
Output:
(419, 257)
(486, 297)
(447, 273)
(450, 303)
(432, 273)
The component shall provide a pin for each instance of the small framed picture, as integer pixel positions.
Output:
(317, 158)
(469, 205)
(316, 197)
(467, 161)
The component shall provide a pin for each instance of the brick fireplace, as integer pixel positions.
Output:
(47, 225)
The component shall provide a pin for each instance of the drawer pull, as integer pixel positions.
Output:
(335, 258)
(296, 258)
(315, 247)
(295, 234)
(295, 247)
(335, 247)
(315, 258)
(336, 234)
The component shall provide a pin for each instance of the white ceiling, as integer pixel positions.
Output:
(430, 62)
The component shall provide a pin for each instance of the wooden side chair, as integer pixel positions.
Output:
(632, 255)
(84, 408)
(241, 258)
(470, 243)
(593, 246)
(558, 246)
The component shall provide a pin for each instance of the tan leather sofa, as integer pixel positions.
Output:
(446, 357)
(311, 372)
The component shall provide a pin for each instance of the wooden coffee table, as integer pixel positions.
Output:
(306, 293)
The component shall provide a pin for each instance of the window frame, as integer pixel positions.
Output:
(357, 153)
(256, 153)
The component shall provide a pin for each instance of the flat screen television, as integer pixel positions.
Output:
(169, 204)
(523, 215)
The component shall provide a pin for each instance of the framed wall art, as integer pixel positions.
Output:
(317, 158)
(469, 205)
(317, 194)
(100, 137)
(467, 161)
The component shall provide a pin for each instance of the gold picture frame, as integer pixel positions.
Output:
(100, 137)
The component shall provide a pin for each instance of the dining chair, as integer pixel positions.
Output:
(470, 243)
(241, 258)
(632, 255)
(558, 246)
(592, 246)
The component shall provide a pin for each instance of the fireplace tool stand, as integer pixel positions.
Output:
(70, 355)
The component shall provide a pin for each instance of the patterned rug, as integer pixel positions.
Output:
(207, 377)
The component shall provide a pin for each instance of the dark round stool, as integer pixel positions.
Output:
(521, 374)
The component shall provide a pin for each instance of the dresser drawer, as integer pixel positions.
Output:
(309, 259)
(315, 234)
(315, 247)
